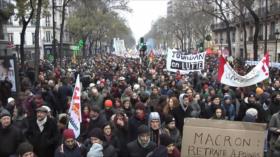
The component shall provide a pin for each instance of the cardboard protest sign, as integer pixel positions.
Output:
(219, 138)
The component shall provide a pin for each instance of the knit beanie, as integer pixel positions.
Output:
(154, 116)
(259, 91)
(68, 133)
(165, 140)
(97, 133)
(142, 129)
(95, 150)
(108, 103)
(10, 99)
(5, 113)
(24, 148)
(169, 119)
(252, 112)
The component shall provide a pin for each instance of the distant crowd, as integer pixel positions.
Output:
(130, 108)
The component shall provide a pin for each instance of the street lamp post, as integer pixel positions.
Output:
(276, 38)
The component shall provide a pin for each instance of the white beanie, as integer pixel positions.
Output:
(95, 150)
(154, 116)
(10, 99)
(252, 112)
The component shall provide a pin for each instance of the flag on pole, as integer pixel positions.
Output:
(227, 75)
(75, 118)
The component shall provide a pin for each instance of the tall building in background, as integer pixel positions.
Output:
(237, 33)
(14, 29)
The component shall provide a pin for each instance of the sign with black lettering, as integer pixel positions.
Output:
(184, 63)
(218, 138)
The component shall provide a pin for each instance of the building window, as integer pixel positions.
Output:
(11, 37)
(33, 38)
(47, 20)
(272, 28)
(48, 36)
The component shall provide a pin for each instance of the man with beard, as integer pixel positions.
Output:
(251, 102)
(155, 127)
(42, 133)
(141, 146)
(96, 119)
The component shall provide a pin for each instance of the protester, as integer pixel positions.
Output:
(70, 147)
(142, 145)
(10, 136)
(42, 133)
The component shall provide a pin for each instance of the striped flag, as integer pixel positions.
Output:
(75, 118)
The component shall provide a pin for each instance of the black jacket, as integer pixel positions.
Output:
(179, 114)
(63, 151)
(109, 150)
(44, 142)
(134, 149)
(10, 138)
(133, 125)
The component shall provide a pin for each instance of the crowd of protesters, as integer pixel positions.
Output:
(130, 108)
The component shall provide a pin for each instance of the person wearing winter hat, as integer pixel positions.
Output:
(259, 91)
(108, 109)
(228, 108)
(155, 127)
(251, 115)
(97, 136)
(167, 141)
(174, 132)
(42, 129)
(25, 149)
(10, 136)
(11, 105)
(70, 147)
(141, 146)
(136, 120)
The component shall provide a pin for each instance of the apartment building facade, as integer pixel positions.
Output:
(272, 19)
(14, 28)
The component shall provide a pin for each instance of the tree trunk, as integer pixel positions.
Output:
(22, 35)
(54, 39)
(22, 41)
(256, 34)
(228, 37)
(245, 41)
(62, 31)
(1, 30)
(37, 46)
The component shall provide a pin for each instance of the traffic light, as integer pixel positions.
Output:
(143, 46)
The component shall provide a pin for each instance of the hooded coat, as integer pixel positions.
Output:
(180, 113)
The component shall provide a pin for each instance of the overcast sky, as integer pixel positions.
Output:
(144, 13)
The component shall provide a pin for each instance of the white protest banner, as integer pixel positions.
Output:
(228, 76)
(184, 63)
(75, 118)
(220, 138)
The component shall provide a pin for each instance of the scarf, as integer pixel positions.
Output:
(41, 124)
